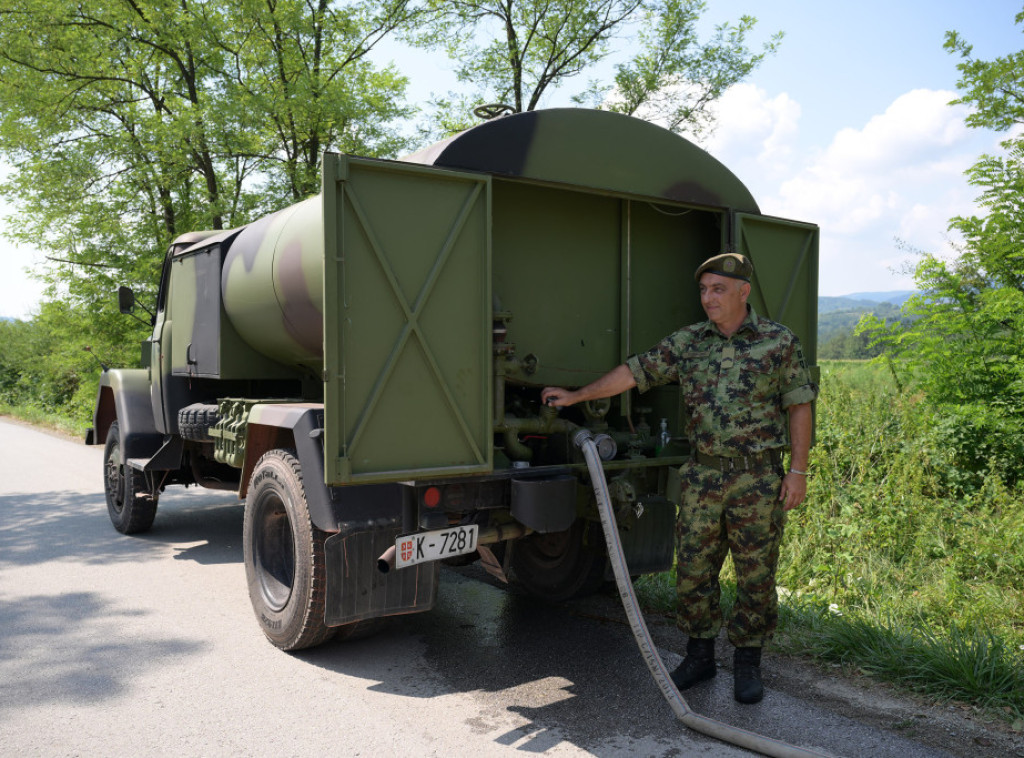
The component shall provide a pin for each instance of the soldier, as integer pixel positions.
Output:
(748, 394)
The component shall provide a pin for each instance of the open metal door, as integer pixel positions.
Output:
(785, 287)
(407, 321)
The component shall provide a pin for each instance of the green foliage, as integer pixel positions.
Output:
(883, 568)
(841, 322)
(890, 567)
(976, 440)
(45, 367)
(895, 544)
(131, 122)
(994, 88)
(516, 52)
(674, 78)
(969, 664)
(964, 346)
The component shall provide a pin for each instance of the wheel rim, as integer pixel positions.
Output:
(548, 550)
(115, 479)
(274, 552)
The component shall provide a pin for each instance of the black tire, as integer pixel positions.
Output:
(131, 508)
(284, 555)
(194, 422)
(560, 565)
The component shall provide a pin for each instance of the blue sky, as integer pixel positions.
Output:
(847, 126)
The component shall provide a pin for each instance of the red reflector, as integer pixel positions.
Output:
(432, 497)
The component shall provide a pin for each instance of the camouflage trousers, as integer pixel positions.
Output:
(737, 512)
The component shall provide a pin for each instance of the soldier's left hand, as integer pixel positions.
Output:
(794, 489)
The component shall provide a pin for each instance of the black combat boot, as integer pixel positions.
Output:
(698, 666)
(746, 670)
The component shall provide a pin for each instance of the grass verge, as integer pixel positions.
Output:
(47, 419)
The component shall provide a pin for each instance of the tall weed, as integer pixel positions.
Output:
(907, 561)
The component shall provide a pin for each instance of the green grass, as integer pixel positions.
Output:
(45, 418)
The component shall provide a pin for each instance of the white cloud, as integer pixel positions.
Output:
(912, 130)
(752, 126)
(878, 192)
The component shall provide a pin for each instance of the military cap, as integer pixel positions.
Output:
(727, 264)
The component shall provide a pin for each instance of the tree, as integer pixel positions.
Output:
(674, 79)
(298, 71)
(966, 346)
(518, 51)
(132, 121)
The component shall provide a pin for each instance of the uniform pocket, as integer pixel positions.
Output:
(694, 375)
(757, 376)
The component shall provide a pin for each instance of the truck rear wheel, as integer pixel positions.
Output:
(560, 565)
(131, 508)
(284, 555)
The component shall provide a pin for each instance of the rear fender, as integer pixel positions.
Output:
(332, 509)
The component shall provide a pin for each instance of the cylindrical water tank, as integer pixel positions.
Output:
(272, 285)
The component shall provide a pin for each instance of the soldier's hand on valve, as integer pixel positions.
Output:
(556, 397)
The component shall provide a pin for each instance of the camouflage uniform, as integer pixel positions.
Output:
(736, 391)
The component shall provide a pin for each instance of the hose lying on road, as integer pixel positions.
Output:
(765, 745)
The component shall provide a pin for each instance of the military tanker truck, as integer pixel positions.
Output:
(364, 368)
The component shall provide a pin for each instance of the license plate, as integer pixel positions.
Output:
(432, 546)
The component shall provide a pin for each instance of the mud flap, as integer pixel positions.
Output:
(356, 590)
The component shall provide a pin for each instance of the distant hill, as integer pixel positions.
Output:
(862, 301)
(837, 317)
(896, 297)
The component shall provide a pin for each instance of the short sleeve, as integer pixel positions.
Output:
(659, 365)
(797, 387)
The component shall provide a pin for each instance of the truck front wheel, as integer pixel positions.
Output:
(284, 555)
(131, 508)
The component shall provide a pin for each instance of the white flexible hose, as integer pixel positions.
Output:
(765, 745)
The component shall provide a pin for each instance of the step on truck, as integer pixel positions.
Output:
(364, 368)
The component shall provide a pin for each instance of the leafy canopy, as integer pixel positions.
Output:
(519, 51)
(132, 121)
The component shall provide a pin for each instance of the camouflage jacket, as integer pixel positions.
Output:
(736, 389)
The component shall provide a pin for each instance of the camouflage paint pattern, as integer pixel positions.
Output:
(272, 285)
(738, 512)
(599, 150)
(124, 396)
(736, 389)
(407, 382)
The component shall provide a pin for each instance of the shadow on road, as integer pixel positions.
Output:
(40, 527)
(70, 648)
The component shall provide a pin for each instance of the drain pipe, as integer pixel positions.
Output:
(734, 735)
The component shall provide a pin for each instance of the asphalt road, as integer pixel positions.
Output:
(146, 646)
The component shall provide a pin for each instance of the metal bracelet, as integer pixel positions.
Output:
(794, 471)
